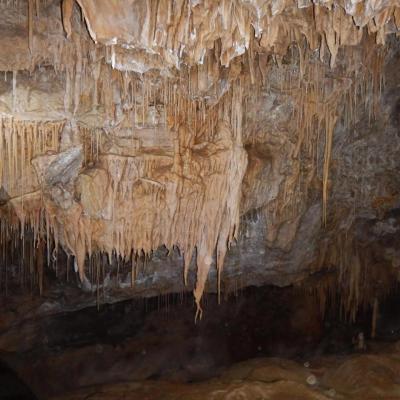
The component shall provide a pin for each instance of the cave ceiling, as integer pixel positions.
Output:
(161, 146)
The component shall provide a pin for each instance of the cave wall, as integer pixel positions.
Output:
(144, 139)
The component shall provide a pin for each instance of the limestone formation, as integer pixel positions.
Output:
(126, 126)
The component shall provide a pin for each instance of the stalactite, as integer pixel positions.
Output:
(330, 125)
(67, 8)
(349, 280)
(190, 199)
(30, 24)
(14, 91)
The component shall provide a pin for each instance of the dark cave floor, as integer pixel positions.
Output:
(260, 336)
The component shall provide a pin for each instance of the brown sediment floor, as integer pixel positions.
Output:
(373, 375)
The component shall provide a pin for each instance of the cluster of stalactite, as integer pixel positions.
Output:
(350, 278)
(318, 99)
(190, 72)
(24, 255)
(189, 198)
(181, 32)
